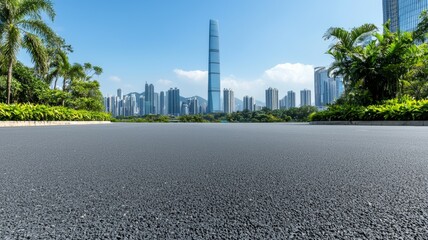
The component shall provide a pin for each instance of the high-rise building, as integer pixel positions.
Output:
(291, 99)
(149, 98)
(156, 104)
(403, 14)
(214, 104)
(272, 98)
(248, 103)
(184, 109)
(119, 93)
(193, 106)
(283, 103)
(141, 103)
(229, 101)
(133, 105)
(174, 102)
(327, 89)
(305, 97)
(162, 103)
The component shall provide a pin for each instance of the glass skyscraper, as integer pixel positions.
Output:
(214, 104)
(327, 89)
(404, 14)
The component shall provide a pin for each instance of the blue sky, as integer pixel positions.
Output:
(165, 42)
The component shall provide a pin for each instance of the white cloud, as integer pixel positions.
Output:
(291, 73)
(195, 75)
(115, 79)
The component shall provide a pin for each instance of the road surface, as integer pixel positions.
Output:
(211, 181)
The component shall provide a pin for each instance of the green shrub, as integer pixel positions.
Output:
(30, 112)
(404, 109)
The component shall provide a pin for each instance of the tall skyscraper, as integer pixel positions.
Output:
(162, 103)
(119, 93)
(149, 97)
(272, 98)
(156, 104)
(229, 101)
(141, 103)
(214, 104)
(305, 97)
(133, 105)
(174, 102)
(327, 89)
(248, 103)
(291, 99)
(404, 14)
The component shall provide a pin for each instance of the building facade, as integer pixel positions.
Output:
(162, 103)
(272, 98)
(149, 98)
(305, 97)
(248, 103)
(403, 14)
(214, 104)
(291, 99)
(174, 102)
(229, 101)
(193, 106)
(327, 89)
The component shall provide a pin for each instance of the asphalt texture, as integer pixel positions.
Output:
(214, 181)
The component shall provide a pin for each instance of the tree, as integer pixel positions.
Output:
(21, 26)
(420, 34)
(372, 67)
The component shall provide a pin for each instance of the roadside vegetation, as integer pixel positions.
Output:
(300, 114)
(53, 82)
(385, 73)
(30, 112)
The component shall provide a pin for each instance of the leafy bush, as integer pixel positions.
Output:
(30, 112)
(404, 109)
(148, 118)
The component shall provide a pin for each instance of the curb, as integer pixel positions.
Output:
(372, 123)
(4, 124)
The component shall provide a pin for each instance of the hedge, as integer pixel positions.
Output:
(31, 112)
(405, 109)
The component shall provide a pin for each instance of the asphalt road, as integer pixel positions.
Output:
(203, 181)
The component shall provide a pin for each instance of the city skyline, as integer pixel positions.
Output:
(166, 46)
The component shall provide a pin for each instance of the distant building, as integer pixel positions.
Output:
(193, 106)
(184, 109)
(133, 105)
(174, 102)
(272, 98)
(156, 104)
(162, 103)
(327, 89)
(249, 103)
(229, 101)
(305, 97)
(141, 103)
(403, 14)
(291, 99)
(283, 103)
(149, 97)
(119, 93)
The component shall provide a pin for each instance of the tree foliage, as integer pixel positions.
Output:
(378, 66)
(22, 26)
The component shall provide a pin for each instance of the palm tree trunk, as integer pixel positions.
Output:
(56, 80)
(9, 81)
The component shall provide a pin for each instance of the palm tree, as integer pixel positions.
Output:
(347, 44)
(21, 26)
